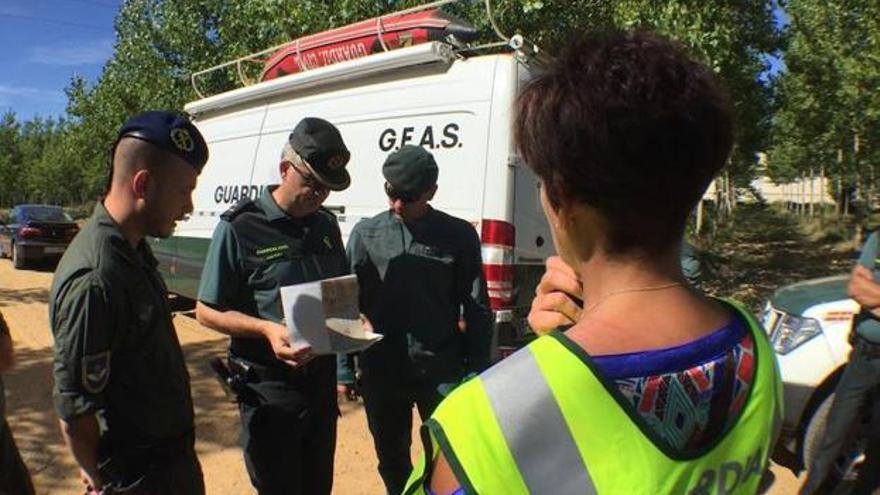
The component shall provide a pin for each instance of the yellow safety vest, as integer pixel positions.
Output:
(544, 422)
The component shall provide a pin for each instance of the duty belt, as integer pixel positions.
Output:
(255, 372)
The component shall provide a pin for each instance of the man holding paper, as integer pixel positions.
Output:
(420, 273)
(284, 237)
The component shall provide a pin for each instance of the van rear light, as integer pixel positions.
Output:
(28, 232)
(498, 240)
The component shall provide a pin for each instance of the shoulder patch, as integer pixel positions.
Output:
(242, 206)
(96, 371)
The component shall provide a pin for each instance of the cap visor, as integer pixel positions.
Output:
(335, 181)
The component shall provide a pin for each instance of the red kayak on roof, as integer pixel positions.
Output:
(366, 38)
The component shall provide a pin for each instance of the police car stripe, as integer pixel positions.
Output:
(535, 430)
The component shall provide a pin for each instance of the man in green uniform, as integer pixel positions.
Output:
(121, 385)
(14, 477)
(690, 264)
(860, 379)
(419, 272)
(284, 237)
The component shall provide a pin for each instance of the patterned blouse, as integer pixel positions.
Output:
(689, 393)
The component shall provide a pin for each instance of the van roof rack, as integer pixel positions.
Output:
(426, 53)
(517, 43)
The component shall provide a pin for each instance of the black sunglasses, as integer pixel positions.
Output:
(405, 196)
(309, 180)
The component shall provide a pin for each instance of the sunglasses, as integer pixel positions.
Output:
(309, 180)
(404, 196)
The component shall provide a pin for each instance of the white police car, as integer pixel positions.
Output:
(809, 324)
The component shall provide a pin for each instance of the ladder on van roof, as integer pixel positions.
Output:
(517, 43)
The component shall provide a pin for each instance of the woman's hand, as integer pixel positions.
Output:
(557, 298)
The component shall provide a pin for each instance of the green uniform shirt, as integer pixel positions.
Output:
(415, 282)
(4, 330)
(116, 350)
(690, 264)
(258, 248)
(867, 325)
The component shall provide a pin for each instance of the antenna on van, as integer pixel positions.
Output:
(522, 49)
(501, 35)
(525, 51)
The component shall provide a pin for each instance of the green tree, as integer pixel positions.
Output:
(10, 158)
(161, 42)
(828, 106)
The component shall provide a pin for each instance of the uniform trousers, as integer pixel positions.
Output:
(166, 468)
(182, 475)
(289, 428)
(860, 378)
(388, 401)
(14, 477)
(869, 473)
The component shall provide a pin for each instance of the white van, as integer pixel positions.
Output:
(458, 107)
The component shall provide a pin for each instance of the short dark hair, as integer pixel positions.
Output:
(631, 125)
(130, 152)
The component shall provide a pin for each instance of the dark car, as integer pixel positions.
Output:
(36, 232)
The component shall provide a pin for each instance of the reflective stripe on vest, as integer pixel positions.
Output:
(541, 430)
(543, 422)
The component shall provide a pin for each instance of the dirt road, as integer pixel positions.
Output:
(23, 299)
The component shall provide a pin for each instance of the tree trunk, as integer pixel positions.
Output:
(805, 196)
(822, 190)
(801, 195)
(785, 196)
(812, 196)
(869, 191)
(699, 226)
(719, 199)
(860, 190)
(731, 195)
(840, 204)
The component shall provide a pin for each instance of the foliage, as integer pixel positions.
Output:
(32, 166)
(161, 42)
(828, 106)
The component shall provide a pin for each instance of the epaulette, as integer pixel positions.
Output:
(329, 215)
(237, 209)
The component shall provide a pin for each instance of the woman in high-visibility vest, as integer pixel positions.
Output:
(654, 388)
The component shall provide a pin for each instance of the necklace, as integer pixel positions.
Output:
(649, 288)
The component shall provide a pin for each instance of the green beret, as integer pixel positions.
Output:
(411, 169)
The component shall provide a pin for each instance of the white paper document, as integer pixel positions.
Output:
(325, 314)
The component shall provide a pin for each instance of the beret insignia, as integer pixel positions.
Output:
(181, 138)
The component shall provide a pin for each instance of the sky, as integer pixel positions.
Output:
(46, 42)
(776, 64)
